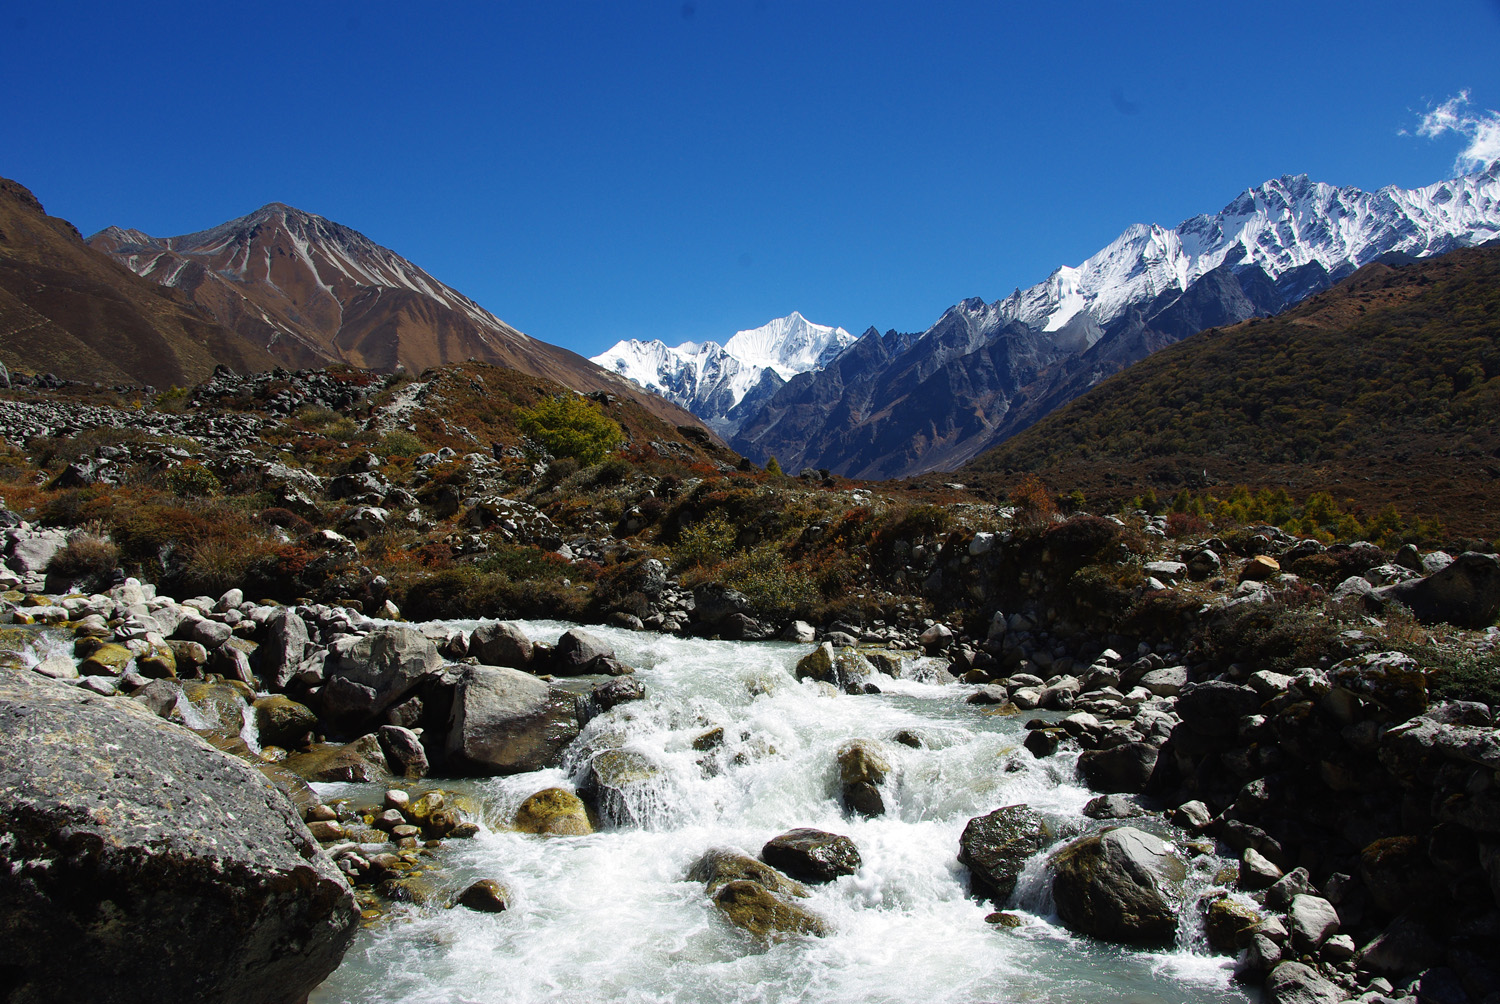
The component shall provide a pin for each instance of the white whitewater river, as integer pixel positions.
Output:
(609, 917)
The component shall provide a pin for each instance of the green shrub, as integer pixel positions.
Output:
(1470, 675)
(571, 426)
(85, 558)
(706, 542)
(399, 443)
(190, 480)
(775, 588)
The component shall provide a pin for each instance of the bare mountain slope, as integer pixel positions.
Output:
(310, 292)
(68, 309)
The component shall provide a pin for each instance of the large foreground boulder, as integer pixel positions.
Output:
(1120, 885)
(138, 863)
(505, 721)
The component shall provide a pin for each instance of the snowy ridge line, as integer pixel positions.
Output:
(1279, 226)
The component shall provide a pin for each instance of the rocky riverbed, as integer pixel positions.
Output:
(1360, 814)
(1292, 745)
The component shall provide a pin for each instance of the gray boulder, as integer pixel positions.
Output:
(501, 644)
(284, 648)
(30, 552)
(403, 751)
(370, 672)
(1120, 885)
(1122, 770)
(199, 883)
(505, 721)
(580, 652)
(1214, 708)
(1294, 983)
(1465, 592)
(1313, 921)
(995, 847)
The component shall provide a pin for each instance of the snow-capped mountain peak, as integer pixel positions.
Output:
(712, 380)
(1279, 226)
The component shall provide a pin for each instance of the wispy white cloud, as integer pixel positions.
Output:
(1480, 128)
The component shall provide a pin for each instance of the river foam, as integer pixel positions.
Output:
(609, 917)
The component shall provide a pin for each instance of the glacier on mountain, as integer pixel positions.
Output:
(720, 383)
(1277, 227)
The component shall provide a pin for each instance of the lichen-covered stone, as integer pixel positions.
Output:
(755, 908)
(175, 871)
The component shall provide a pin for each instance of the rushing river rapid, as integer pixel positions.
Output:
(610, 917)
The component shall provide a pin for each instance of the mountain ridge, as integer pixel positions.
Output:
(1381, 389)
(68, 309)
(310, 292)
(1270, 247)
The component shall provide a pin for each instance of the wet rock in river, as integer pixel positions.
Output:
(283, 722)
(862, 770)
(755, 908)
(720, 865)
(995, 847)
(359, 761)
(505, 721)
(621, 784)
(812, 855)
(1120, 885)
(485, 896)
(1228, 924)
(501, 644)
(553, 812)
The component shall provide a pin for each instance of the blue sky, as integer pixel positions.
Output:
(595, 171)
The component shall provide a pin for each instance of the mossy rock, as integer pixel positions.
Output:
(281, 721)
(753, 907)
(109, 659)
(861, 763)
(1228, 924)
(619, 769)
(212, 705)
(1120, 885)
(421, 809)
(554, 812)
(421, 888)
(719, 866)
(160, 663)
(360, 761)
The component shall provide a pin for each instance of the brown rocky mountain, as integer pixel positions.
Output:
(68, 309)
(311, 292)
